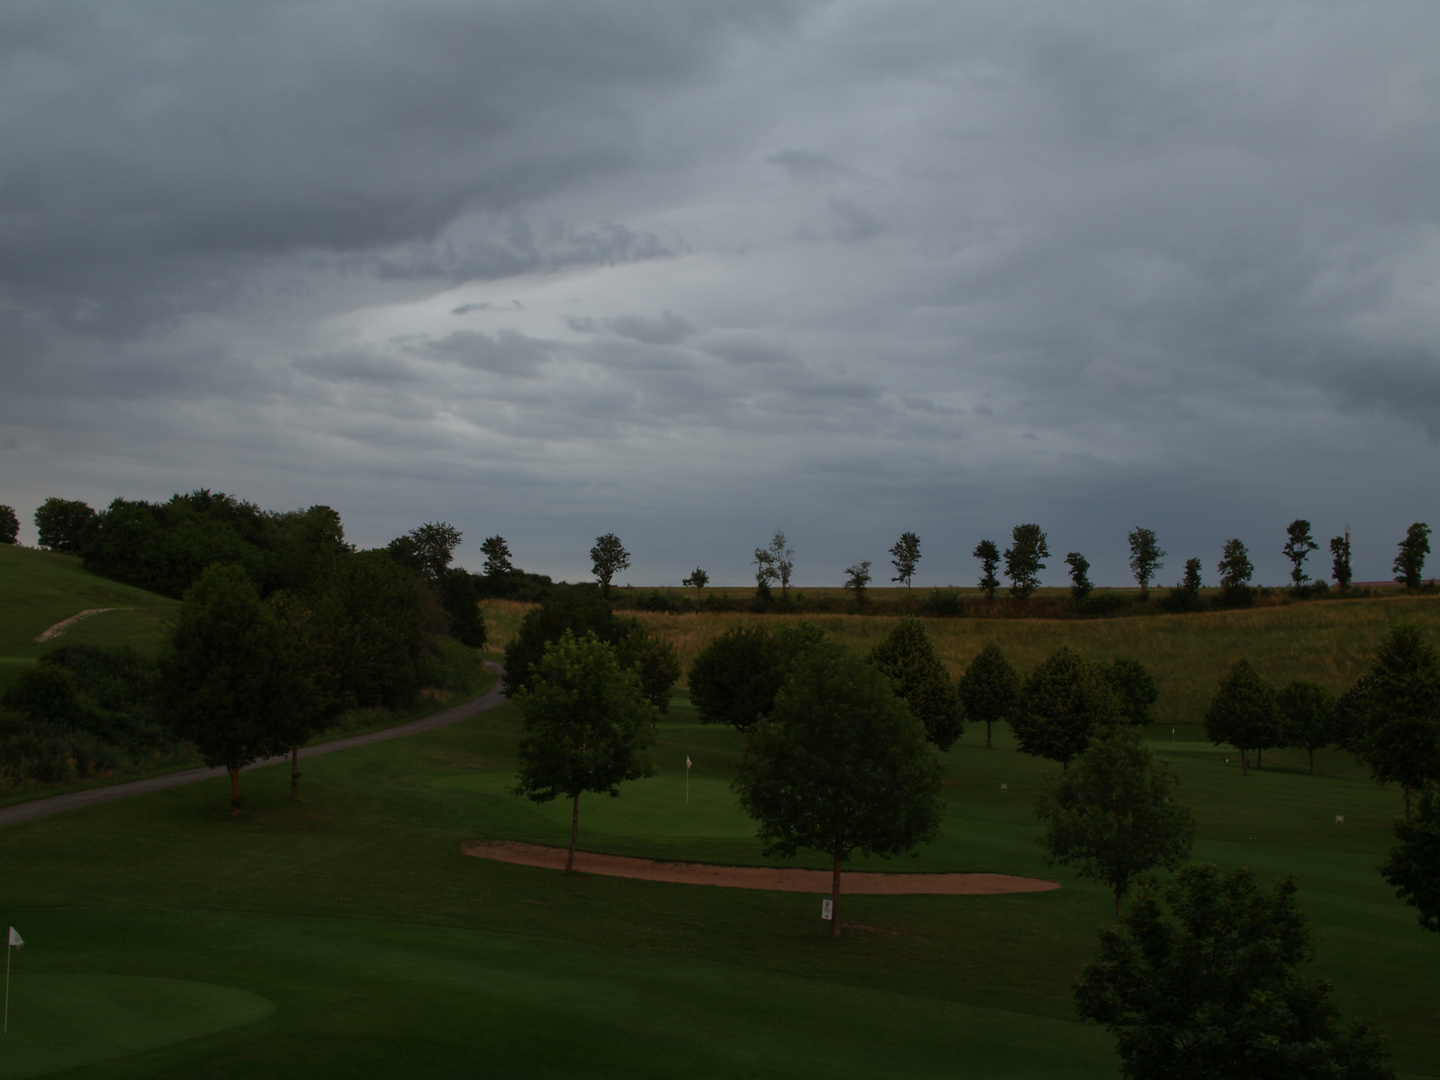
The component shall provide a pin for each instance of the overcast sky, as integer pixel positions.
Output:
(689, 272)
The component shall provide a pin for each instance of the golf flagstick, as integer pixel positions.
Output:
(14, 941)
(687, 778)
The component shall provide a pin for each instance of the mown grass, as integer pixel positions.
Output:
(384, 950)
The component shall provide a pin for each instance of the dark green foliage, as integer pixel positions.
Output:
(588, 726)
(697, 580)
(1414, 864)
(1236, 571)
(241, 681)
(1307, 717)
(1134, 688)
(782, 561)
(1392, 715)
(840, 764)
(608, 557)
(653, 659)
(1298, 545)
(1243, 712)
(1064, 704)
(372, 617)
(990, 688)
(497, 558)
(905, 557)
(1112, 817)
(1080, 584)
(1024, 559)
(908, 658)
(943, 603)
(431, 548)
(1410, 560)
(735, 678)
(46, 694)
(1215, 993)
(1340, 568)
(988, 552)
(9, 525)
(460, 597)
(1186, 595)
(1145, 556)
(62, 524)
(858, 579)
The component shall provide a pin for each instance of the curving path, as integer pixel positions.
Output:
(91, 796)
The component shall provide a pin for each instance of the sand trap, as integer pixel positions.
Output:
(60, 627)
(779, 879)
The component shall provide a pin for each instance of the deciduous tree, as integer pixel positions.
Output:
(907, 657)
(497, 557)
(990, 688)
(1064, 704)
(1024, 559)
(61, 523)
(1410, 560)
(1145, 556)
(1243, 712)
(1340, 568)
(857, 580)
(1080, 584)
(1134, 687)
(697, 580)
(782, 559)
(905, 557)
(1215, 992)
(1235, 571)
(1307, 717)
(587, 727)
(608, 557)
(1394, 713)
(435, 543)
(1112, 817)
(840, 765)
(988, 552)
(1298, 545)
(1414, 864)
(9, 525)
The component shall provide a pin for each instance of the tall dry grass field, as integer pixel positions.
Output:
(1328, 641)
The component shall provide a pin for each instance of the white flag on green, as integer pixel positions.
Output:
(687, 761)
(15, 938)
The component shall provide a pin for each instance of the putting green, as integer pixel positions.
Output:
(64, 1021)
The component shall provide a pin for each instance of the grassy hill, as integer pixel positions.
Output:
(41, 588)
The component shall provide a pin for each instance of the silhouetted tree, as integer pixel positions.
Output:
(990, 688)
(857, 580)
(1410, 560)
(905, 557)
(608, 557)
(1307, 717)
(1236, 571)
(1024, 559)
(988, 552)
(1064, 704)
(9, 525)
(1145, 556)
(907, 657)
(1243, 712)
(1080, 585)
(1340, 568)
(61, 523)
(1298, 545)
(1414, 864)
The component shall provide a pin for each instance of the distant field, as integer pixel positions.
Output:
(1329, 641)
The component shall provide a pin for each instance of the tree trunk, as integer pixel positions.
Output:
(295, 774)
(1118, 912)
(574, 834)
(987, 734)
(1244, 767)
(1259, 756)
(835, 901)
(1312, 762)
(234, 771)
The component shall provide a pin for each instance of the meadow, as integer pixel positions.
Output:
(347, 934)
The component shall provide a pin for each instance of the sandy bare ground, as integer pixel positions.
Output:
(65, 624)
(778, 879)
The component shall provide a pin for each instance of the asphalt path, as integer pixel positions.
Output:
(92, 796)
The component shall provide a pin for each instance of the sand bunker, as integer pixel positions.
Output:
(779, 879)
(60, 627)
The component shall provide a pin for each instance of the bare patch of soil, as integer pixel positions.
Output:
(775, 878)
(65, 624)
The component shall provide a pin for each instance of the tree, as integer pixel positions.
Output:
(434, 546)
(857, 579)
(1340, 568)
(1063, 705)
(61, 523)
(497, 558)
(1216, 994)
(765, 573)
(908, 658)
(1134, 688)
(586, 727)
(1191, 581)
(1410, 560)
(782, 559)
(1080, 585)
(1414, 864)
(697, 580)
(734, 679)
(1023, 559)
(1243, 712)
(840, 764)
(988, 552)
(460, 597)
(1394, 713)
(990, 688)
(1145, 556)
(1298, 545)
(905, 556)
(608, 557)
(1307, 717)
(320, 698)
(1112, 817)
(9, 525)
(1235, 572)
(235, 683)
(1186, 595)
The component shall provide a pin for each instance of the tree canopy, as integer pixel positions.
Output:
(1134, 687)
(908, 658)
(990, 688)
(840, 764)
(905, 557)
(1243, 712)
(62, 523)
(498, 562)
(1298, 546)
(1145, 556)
(1410, 559)
(988, 552)
(1112, 817)
(1024, 559)
(9, 525)
(1236, 570)
(1064, 703)
(587, 726)
(607, 558)
(1215, 992)
(1394, 712)
(1414, 864)
(857, 580)
(1307, 716)
(1340, 567)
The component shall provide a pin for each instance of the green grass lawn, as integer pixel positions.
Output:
(347, 935)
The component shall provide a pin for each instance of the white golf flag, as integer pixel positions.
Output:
(687, 761)
(15, 938)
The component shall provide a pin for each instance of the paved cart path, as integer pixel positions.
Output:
(91, 796)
